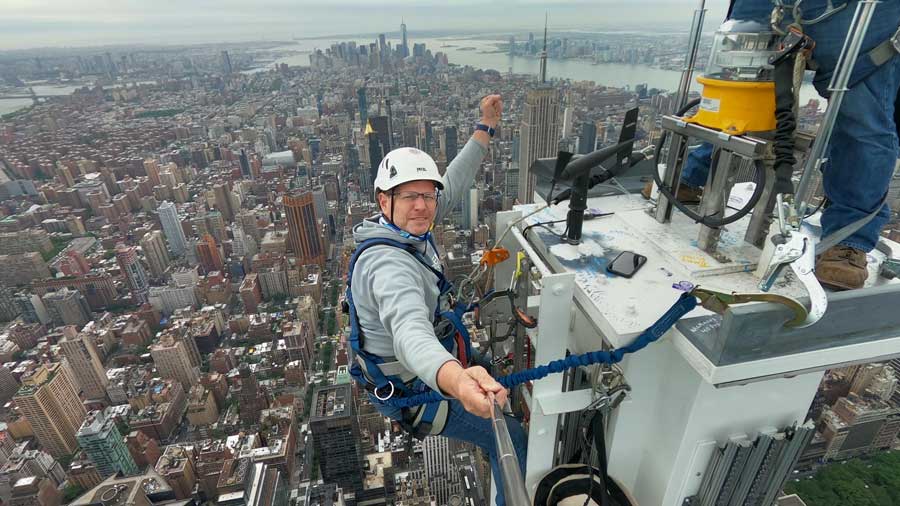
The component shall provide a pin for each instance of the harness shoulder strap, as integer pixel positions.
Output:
(356, 337)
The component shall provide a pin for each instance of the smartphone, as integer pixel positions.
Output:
(626, 264)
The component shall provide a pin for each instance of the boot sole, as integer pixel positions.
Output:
(839, 286)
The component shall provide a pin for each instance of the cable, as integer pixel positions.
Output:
(590, 466)
(532, 213)
(543, 225)
(709, 221)
(684, 305)
(473, 277)
(617, 187)
(818, 207)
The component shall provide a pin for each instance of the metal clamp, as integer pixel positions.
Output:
(609, 389)
(796, 249)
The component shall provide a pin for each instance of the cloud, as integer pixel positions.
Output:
(42, 23)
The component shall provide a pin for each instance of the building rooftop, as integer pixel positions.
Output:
(38, 378)
(790, 500)
(331, 402)
(140, 490)
(96, 422)
(174, 459)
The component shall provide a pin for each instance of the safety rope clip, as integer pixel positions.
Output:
(794, 40)
(494, 256)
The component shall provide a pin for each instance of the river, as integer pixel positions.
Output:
(478, 53)
(14, 104)
(483, 54)
(42, 88)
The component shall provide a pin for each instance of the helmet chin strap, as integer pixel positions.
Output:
(407, 235)
(389, 222)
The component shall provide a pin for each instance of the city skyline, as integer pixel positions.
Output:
(177, 224)
(53, 23)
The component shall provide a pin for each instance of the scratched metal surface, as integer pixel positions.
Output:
(628, 306)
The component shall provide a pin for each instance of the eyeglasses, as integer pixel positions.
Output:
(410, 197)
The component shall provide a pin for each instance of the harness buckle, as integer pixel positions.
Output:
(380, 398)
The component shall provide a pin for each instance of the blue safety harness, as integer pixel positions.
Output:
(429, 418)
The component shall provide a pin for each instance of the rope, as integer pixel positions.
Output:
(684, 305)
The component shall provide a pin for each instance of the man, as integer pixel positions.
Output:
(864, 145)
(396, 295)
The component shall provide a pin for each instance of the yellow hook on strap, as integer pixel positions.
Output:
(718, 302)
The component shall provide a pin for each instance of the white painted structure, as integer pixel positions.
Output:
(682, 404)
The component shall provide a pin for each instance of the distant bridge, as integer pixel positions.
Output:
(32, 95)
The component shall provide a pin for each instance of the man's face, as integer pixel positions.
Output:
(413, 215)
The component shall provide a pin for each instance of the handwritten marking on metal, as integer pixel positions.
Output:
(697, 260)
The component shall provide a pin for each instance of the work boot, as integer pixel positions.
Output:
(842, 268)
(686, 194)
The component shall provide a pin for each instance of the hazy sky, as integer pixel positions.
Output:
(55, 23)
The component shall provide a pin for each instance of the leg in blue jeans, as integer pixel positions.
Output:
(862, 156)
(465, 426)
(696, 167)
(863, 149)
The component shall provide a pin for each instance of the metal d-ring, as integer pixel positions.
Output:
(380, 398)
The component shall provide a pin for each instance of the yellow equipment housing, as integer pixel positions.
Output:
(736, 107)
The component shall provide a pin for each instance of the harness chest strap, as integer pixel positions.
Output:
(888, 49)
(384, 376)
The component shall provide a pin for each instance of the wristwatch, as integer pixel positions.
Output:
(485, 128)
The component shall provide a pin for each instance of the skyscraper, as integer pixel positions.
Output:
(130, 264)
(208, 254)
(154, 246)
(223, 201)
(49, 401)
(250, 399)
(171, 225)
(450, 142)
(363, 106)
(588, 138)
(245, 164)
(436, 452)
(9, 385)
(381, 127)
(84, 359)
(226, 63)
(151, 168)
(336, 436)
(376, 153)
(32, 308)
(544, 53)
(304, 237)
(404, 48)
(538, 135)
(511, 182)
(67, 307)
(104, 444)
(173, 361)
(247, 220)
(470, 209)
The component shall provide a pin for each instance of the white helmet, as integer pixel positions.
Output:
(403, 165)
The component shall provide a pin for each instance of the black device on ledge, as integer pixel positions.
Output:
(579, 172)
(626, 264)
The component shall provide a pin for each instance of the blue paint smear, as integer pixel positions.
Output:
(590, 264)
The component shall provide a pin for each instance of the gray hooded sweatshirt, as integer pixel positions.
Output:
(395, 296)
